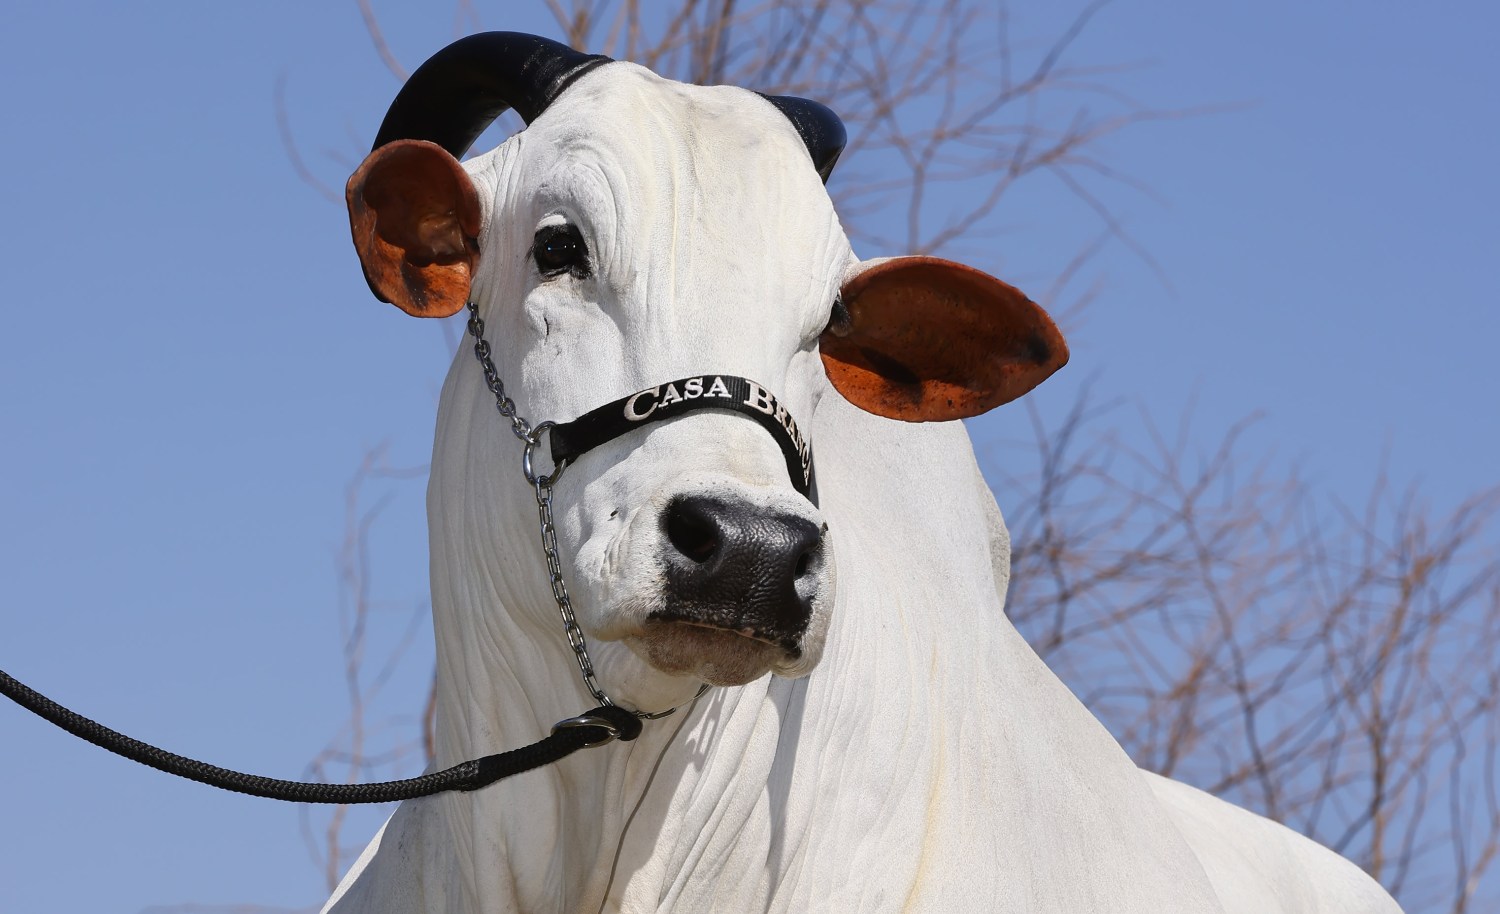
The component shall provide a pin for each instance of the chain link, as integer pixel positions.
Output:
(503, 403)
(542, 485)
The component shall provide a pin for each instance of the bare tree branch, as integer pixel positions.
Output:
(289, 143)
(377, 39)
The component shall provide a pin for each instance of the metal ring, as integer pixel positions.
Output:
(611, 732)
(532, 441)
(658, 715)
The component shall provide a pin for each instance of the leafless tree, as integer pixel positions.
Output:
(1330, 668)
(381, 738)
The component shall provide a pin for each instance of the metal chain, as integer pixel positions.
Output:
(560, 593)
(542, 485)
(504, 404)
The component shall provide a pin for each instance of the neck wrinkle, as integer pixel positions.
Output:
(500, 686)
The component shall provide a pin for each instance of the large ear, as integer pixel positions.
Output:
(415, 218)
(929, 340)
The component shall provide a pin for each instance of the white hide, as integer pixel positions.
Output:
(930, 762)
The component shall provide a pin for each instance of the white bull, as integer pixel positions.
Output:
(641, 231)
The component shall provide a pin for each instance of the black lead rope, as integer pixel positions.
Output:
(599, 726)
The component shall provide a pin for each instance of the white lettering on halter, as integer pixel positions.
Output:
(630, 412)
(760, 399)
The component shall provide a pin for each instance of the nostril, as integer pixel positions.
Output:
(691, 532)
(804, 561)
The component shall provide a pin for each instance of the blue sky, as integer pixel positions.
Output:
(192, 367)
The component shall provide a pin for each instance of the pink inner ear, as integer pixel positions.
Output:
(932, 340)
(440, 235)
(415, 218)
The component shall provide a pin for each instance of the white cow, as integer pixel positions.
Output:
(641, 231)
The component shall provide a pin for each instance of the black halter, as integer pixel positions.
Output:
(685, 395)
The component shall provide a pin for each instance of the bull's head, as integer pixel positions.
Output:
(641, 231)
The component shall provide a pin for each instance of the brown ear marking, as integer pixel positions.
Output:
(415, 218)
(930, 340)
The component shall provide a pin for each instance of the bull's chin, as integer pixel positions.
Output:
(713, 655)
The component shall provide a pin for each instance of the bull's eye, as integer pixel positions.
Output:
(558, 249)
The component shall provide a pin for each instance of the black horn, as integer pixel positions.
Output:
(820, 128)
(460, 90)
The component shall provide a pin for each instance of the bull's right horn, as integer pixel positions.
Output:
(460, 90)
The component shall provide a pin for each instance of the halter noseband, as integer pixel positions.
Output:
(570, 440)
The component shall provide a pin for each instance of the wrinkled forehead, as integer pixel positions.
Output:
(669, 150)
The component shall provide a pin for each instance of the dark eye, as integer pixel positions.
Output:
(558, 249)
